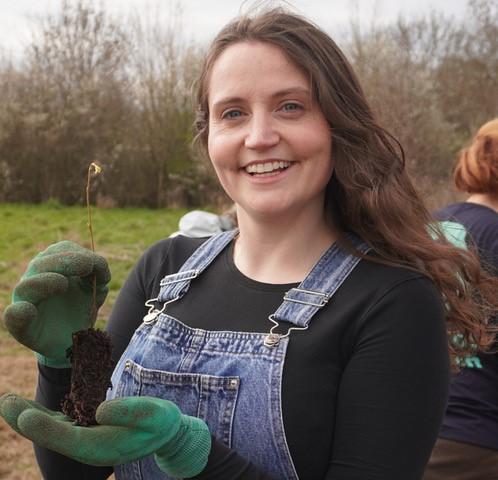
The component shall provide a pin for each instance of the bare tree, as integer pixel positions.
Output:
(467, 76)
(72, 99)
(93, 87)
(431, 81)
(163, 69)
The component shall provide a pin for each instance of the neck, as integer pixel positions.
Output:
(281, 250)
(486, 199)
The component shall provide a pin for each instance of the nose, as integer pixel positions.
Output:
(262, 133)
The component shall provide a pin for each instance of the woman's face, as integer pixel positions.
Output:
(269, 142)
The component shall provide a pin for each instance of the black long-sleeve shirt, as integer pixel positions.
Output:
(364, 388)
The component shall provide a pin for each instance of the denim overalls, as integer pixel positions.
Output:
(232, 380)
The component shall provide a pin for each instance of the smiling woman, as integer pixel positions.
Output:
(304, 344)
(271, 147)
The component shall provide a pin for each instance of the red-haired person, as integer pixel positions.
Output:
(310, 342)
(467, 448)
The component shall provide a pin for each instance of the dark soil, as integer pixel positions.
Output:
(91, 373)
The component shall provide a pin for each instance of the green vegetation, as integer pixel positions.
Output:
(121, 235)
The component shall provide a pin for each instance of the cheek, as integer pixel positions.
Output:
(216, 148)
(319, 147)
(222, 151)
(217, 155)
(324, 145)
(216, 162)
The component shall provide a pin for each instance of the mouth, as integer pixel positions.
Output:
(265, 169)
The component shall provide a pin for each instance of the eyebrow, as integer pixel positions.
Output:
(279, 93)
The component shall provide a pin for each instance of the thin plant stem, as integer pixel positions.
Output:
(92, 168)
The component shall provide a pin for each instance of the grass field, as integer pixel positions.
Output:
(121, 235)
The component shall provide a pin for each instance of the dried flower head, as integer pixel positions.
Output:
(96, 168)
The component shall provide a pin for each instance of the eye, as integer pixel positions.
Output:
(291, 107)
(231, 114)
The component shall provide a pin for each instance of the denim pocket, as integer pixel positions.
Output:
(209, 397)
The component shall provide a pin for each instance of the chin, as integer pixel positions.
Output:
(262, 211)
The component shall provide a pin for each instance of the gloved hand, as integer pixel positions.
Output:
(128, 429)
(54, 299)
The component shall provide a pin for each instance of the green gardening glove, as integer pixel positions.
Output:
(128, 429)
(55, 298)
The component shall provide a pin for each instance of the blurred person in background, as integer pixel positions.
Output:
(201, 224)
(467, 448)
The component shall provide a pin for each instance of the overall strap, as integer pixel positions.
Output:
(176, 285)
(313, 293)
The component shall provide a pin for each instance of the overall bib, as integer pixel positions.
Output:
(232, 380)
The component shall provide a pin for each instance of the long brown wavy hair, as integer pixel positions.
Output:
(370, 192)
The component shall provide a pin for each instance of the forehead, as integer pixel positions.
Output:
(251, 67)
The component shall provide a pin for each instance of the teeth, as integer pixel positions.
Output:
(266, 167)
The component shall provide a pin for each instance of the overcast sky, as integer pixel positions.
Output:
(203, 18)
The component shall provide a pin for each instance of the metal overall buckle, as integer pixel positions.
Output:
(272, 340)
(153, 312)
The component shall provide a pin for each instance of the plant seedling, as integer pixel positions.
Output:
(90, 353)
